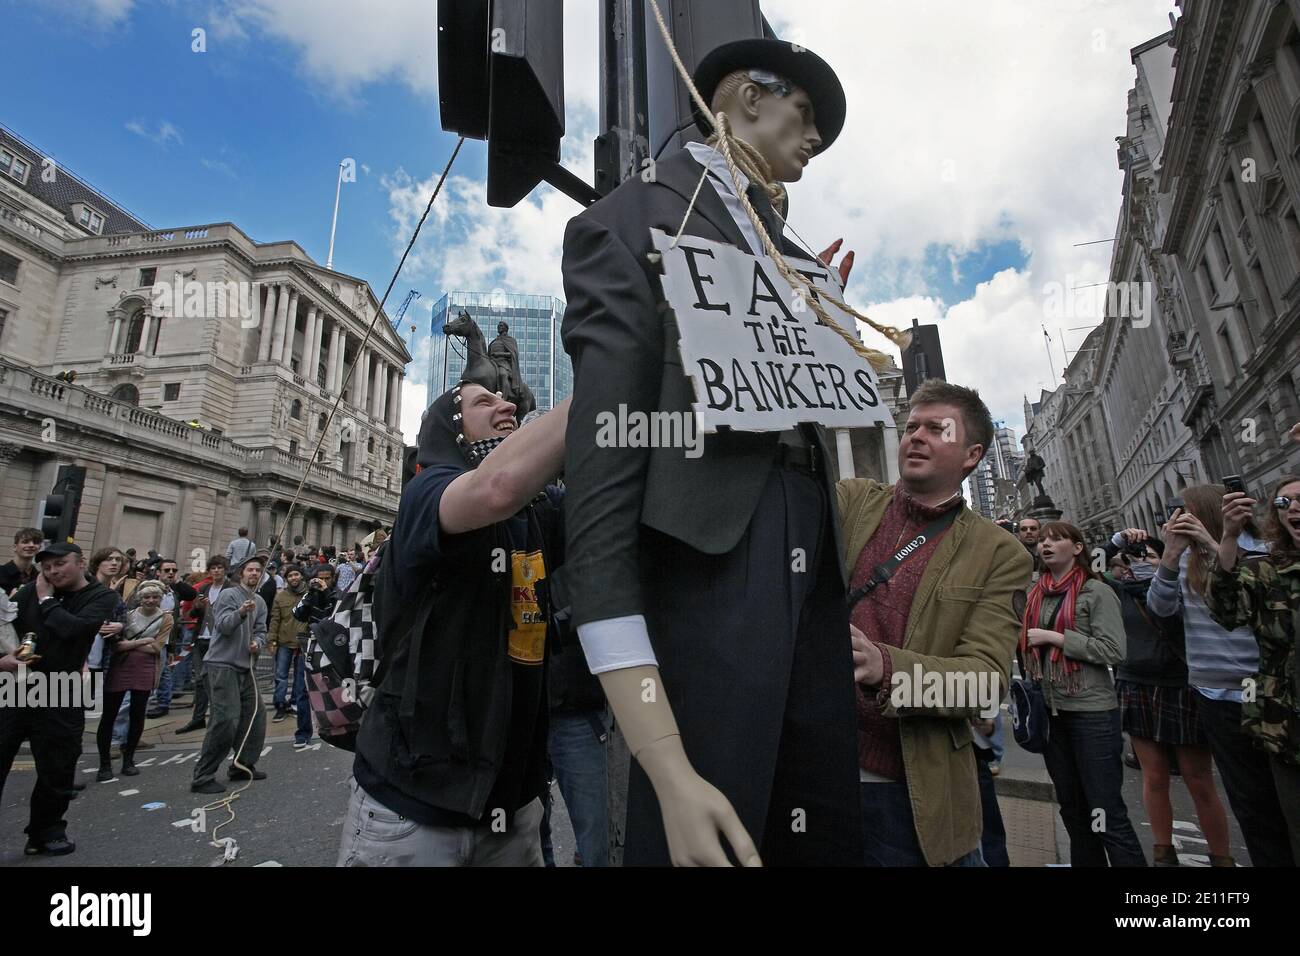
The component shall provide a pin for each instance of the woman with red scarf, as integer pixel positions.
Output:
(1072, 633)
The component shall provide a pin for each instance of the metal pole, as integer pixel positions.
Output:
(338, 188)
(624, 107)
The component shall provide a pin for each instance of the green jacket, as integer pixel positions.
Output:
(961, 625)
(1097, 639)
(1267, 597)
(284, 630)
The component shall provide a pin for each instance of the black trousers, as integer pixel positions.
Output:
(104, 734)
(55, 736)
(754, 652)
(1248, 781)
(1084, 758)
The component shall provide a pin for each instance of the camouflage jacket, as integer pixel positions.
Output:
(1265, 596)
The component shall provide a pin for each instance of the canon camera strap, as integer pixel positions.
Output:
(886, 570)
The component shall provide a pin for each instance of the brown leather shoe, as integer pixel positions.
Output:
(1165, 855)
(1222, 860)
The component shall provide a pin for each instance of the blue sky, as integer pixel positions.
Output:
(249, 139)
(964, 186)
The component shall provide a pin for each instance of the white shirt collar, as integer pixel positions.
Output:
(713, 160)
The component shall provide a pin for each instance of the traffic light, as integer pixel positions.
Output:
(63, 504)
(501, 78)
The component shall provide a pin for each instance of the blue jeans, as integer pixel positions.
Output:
(997, 741)
(993, 842)
(283, 659)
(889, 829)
(303, 734)
(578, 743)
(123, 722)
(1084, 758)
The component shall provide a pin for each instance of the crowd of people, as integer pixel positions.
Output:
(152, 638)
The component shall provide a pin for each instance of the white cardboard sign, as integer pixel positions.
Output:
(755, 353)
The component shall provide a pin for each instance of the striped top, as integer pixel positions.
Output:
(1217, 660)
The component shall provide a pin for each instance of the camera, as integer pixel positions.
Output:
(1136, 549)
(1234, 483)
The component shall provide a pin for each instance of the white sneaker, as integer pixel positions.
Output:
(298, 748)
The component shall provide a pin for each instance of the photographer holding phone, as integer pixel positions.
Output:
(1264, 594)
(1222, 664)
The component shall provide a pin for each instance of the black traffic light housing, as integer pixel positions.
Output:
(501, 78)
(63, 504)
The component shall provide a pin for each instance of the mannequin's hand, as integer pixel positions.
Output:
(694, 811)
(846, 264)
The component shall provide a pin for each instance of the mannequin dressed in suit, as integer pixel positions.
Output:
(708, 590)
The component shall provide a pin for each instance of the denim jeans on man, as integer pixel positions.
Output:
(300, 702)
(993, 842)
(889, 829)
(578, 743)
(1084, 758)
(373, 835)
(284, 657)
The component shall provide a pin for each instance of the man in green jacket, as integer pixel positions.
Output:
(933, 627)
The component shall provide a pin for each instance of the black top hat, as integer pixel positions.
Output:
(797, 64)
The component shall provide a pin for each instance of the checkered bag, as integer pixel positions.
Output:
(342, 663)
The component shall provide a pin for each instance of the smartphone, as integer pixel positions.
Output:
(1234, 483)
(1173, 505)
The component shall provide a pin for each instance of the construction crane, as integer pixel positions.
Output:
(410, 297)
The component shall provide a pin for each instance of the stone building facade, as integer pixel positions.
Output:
(1197, 362)
(206, 368)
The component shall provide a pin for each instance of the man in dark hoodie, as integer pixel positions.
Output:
(451, 753)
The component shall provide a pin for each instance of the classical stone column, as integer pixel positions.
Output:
(377, 400)
(8, 452)
(109, 507)
(315, 350)
(332, 359)
(281, 315)
(395, 379)
(183, 524)
(361, 379)
(298, 526)
(290, 326)
(265, 527)
(308, 340)
(340, 367)
(144, 332)
(117, 332)
(268, 323)
(325, 529)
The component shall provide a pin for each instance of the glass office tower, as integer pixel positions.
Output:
(534, 322)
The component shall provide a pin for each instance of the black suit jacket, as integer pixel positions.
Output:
(622, 338)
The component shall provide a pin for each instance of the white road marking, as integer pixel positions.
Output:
(127, 793)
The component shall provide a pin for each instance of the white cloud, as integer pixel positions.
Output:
(164, 134)
(103, 13)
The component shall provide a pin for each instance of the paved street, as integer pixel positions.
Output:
(293, 818)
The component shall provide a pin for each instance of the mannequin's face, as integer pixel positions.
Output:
(782, 128)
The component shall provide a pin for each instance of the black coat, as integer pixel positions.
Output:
(622, 338)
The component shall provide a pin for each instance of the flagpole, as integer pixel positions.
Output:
(1047, 344)
(338, 188)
